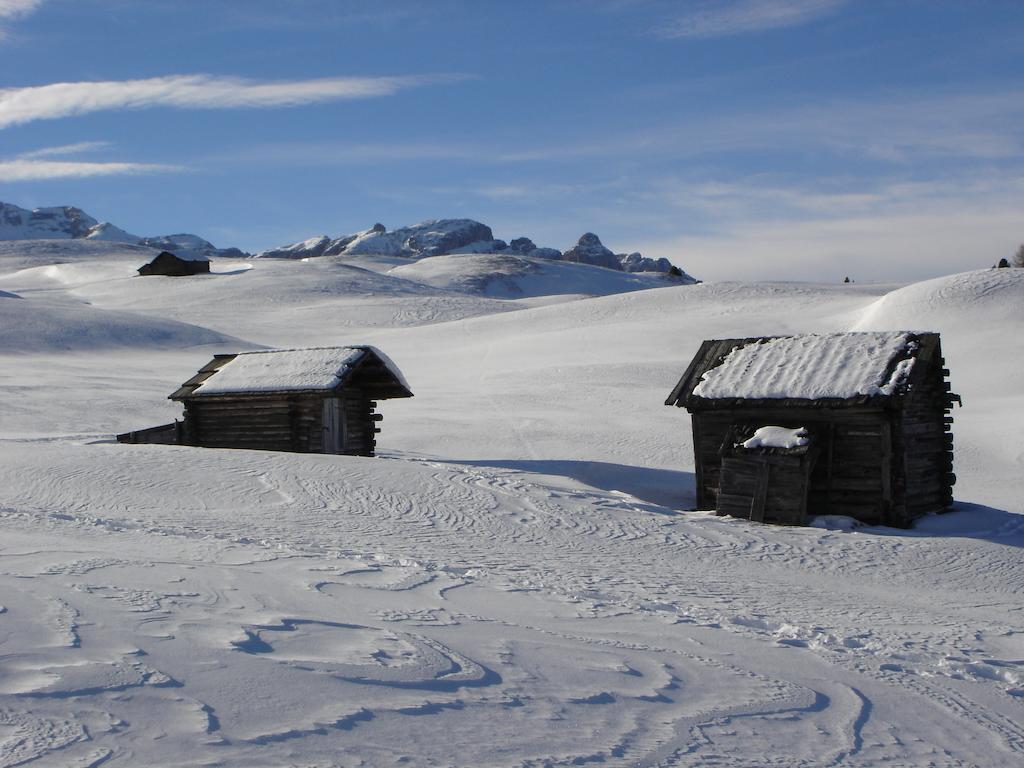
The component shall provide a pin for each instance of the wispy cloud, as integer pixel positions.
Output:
(64, 149)
(38, 170)
(12, 9)
(23, 105)
(736, 17)
(37, 164)
(900, 129)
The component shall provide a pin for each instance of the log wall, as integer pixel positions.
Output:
(282, 423)
(279, 423)
(360, 424)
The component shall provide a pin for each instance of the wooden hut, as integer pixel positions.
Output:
(318, 400)
(167, 263)
(874, 405)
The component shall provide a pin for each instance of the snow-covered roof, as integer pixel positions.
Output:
(808, 367)
(315, 369)
(183, 255)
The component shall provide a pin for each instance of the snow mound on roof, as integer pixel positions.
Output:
(834, 365)
(37, 325)
(507, 276)
(777, 437)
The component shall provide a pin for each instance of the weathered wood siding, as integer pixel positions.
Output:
(279, 423)
(289, 423)
(360, 424)
(165, 434)
(764, 488)
(848, 478)
(925, 442)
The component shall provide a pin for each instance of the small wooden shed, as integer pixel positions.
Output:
(316, 400)
(167, 263)
(875, 404)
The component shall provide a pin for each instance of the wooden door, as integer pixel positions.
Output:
(334, 425)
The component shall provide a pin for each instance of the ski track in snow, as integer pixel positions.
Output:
(519, 586)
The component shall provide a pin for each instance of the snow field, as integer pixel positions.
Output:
(515, 581)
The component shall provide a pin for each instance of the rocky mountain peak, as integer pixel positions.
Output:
(589, 250)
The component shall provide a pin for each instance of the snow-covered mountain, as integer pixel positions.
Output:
(71, 223)
(441, 237)
(58, 223)
(508, 275)
(186, 245)
(434, 237)
(109, 233)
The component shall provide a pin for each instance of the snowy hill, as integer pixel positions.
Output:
(510, 277)
(522, 560)
(191, 246)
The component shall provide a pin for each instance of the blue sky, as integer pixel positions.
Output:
(746, 139)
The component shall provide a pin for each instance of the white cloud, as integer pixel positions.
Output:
(64, 149)
(11, 8)
(969, 123)
(37, 170)
(23, 105)
(37, 165)
(894, 230)
(723, 19)
(898, 247)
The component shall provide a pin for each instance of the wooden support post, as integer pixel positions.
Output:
(757, 504)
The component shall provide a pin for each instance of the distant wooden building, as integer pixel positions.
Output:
(166, 263)
(874, 410)
(318, 400)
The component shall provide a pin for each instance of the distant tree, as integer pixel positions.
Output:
(846, 280)
(1018, 257)
(675, 271)
(1003, 264)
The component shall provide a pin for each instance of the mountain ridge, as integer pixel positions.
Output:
(432, 237)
